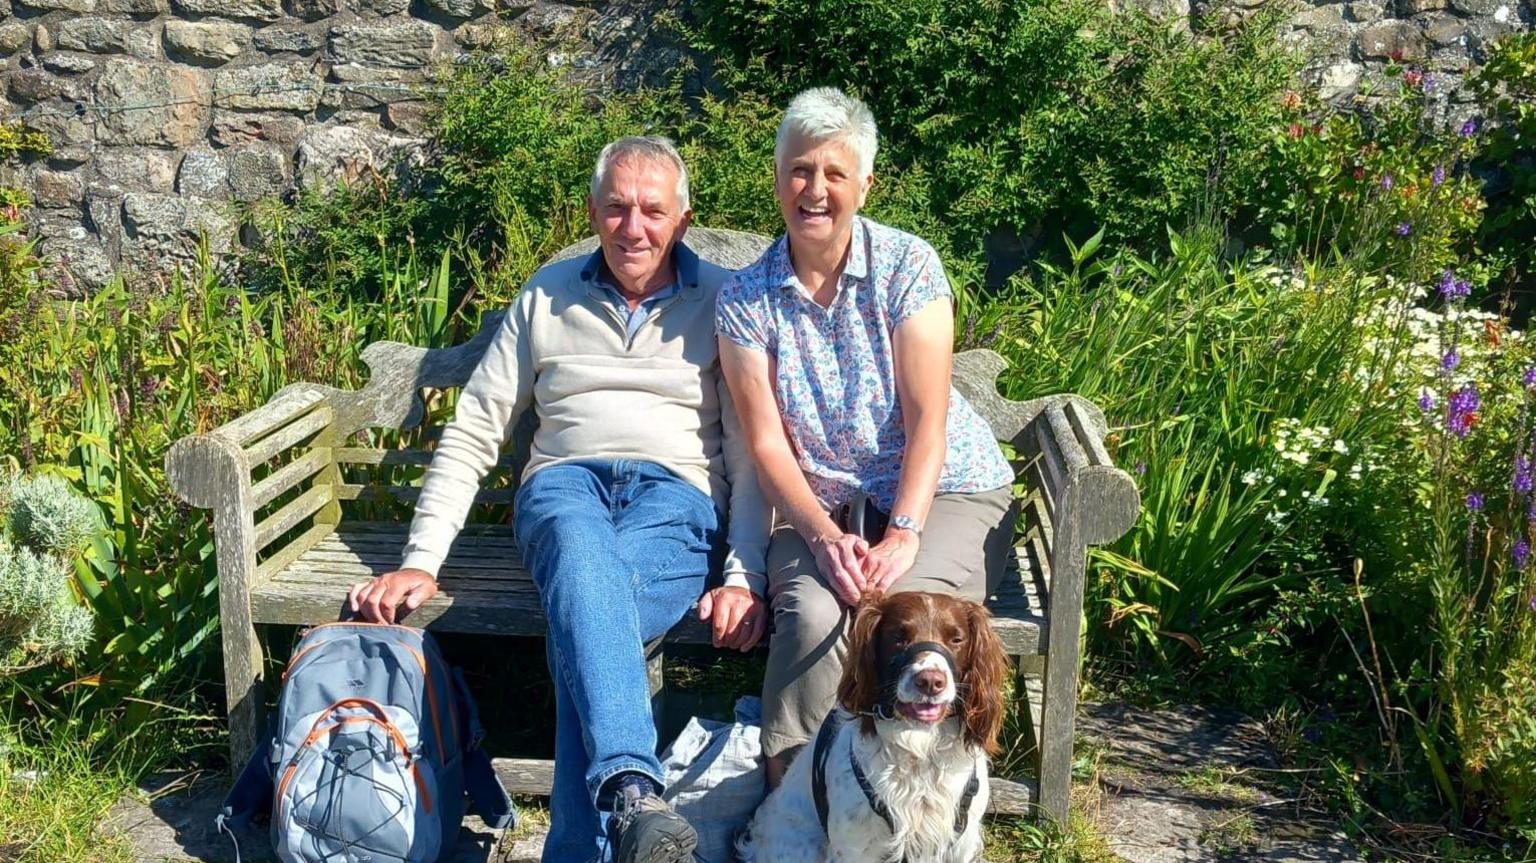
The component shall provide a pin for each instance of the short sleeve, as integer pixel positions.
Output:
(740, 314)
(918, 282)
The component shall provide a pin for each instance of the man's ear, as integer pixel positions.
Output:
(592, 214)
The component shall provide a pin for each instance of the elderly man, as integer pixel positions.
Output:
(637, 457)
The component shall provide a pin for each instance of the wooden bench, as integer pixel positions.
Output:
(310, 493)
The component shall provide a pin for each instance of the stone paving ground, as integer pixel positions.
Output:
(1181, 785)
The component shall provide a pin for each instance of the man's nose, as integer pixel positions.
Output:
(630, 225)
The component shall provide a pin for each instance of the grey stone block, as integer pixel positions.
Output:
(135, 169)
(383, 8)
(13, 38)
(211, 42)
(295, 40)
(329, 154)
(1446, 31)
(157, 105)
(257, 171)
(231, 128)
(1395, 40)
(97, 35)
(407, 44)
(42, 38)
(144, 43)
(79, 7)
(314, 10)
(68, 64)
(203, 173)
(258, 10)
(135, 7)
(57, 189)
(268, 87)
(462, 8)
(149, 215)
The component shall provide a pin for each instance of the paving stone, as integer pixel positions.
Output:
(171, 818)
(1151, 812)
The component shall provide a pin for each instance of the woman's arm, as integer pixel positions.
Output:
(838, 555)
(923, 346)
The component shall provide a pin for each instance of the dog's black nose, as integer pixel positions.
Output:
(930, 681)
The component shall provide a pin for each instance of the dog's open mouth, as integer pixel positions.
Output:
(925, 712)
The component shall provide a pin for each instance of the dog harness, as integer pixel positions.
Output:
(823, 749)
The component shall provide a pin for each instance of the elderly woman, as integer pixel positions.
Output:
(836, 345)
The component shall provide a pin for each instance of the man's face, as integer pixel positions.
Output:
(819, 189)
(637, 217)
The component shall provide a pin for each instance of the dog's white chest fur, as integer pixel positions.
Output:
(920, 774)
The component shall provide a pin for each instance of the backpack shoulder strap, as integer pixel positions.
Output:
(490, 798)
(822, 749)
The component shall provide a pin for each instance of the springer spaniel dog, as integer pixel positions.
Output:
(899, 773)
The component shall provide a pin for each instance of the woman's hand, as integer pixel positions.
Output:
(737, 616)
(840, 558)
(889, 560)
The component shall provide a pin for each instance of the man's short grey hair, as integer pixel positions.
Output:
(647, 148)
(825, 114)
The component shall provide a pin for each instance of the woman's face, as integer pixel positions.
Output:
(819, 190)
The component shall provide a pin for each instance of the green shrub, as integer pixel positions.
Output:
(1506, 88)
(46, 526)
(1032, 116)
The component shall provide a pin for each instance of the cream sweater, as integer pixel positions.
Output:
(660, 398)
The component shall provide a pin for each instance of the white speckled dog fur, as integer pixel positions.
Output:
(918, 768)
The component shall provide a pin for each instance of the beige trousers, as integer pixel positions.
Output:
(964, 546)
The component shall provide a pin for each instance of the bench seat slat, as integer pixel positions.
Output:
(483, 588)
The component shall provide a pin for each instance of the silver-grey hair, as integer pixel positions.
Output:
(825, 114)
(649, 148)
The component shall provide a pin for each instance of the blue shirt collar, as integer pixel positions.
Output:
(857, 266)
(594, 270)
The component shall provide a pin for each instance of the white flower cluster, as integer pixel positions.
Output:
(1298, 443)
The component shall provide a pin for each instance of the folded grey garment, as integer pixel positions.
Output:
(714, 775)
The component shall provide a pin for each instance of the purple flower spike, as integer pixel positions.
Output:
(1461, 411)
(1404, 229)
(1529, 377)
(1475, 501)
(1522, 553)
(1452, 288)
(1437, 177)
(1533, 603)
(1450, 361)
(1386, 182)
(1522, 481)
(1426, 401)
(1469, 128)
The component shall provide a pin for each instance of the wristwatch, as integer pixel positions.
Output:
(907, 522)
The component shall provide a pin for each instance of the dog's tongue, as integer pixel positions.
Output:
(924, 712)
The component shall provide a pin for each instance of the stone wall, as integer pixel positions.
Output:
(166, 115)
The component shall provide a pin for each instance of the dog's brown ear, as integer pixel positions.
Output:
(859, 690)
(981, 683)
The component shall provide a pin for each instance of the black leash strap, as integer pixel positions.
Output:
(823, 748)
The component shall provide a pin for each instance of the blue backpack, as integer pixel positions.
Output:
(374, 746)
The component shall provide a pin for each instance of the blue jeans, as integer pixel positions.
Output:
(619, 550)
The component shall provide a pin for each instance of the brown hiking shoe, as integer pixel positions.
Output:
(644, 829)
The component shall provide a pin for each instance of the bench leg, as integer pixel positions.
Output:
(655, 674)
(1057, 726)
(244, 692)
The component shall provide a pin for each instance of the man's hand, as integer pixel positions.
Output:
(376, 600)
(889, 560)
(840, 560)
(739, 616)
